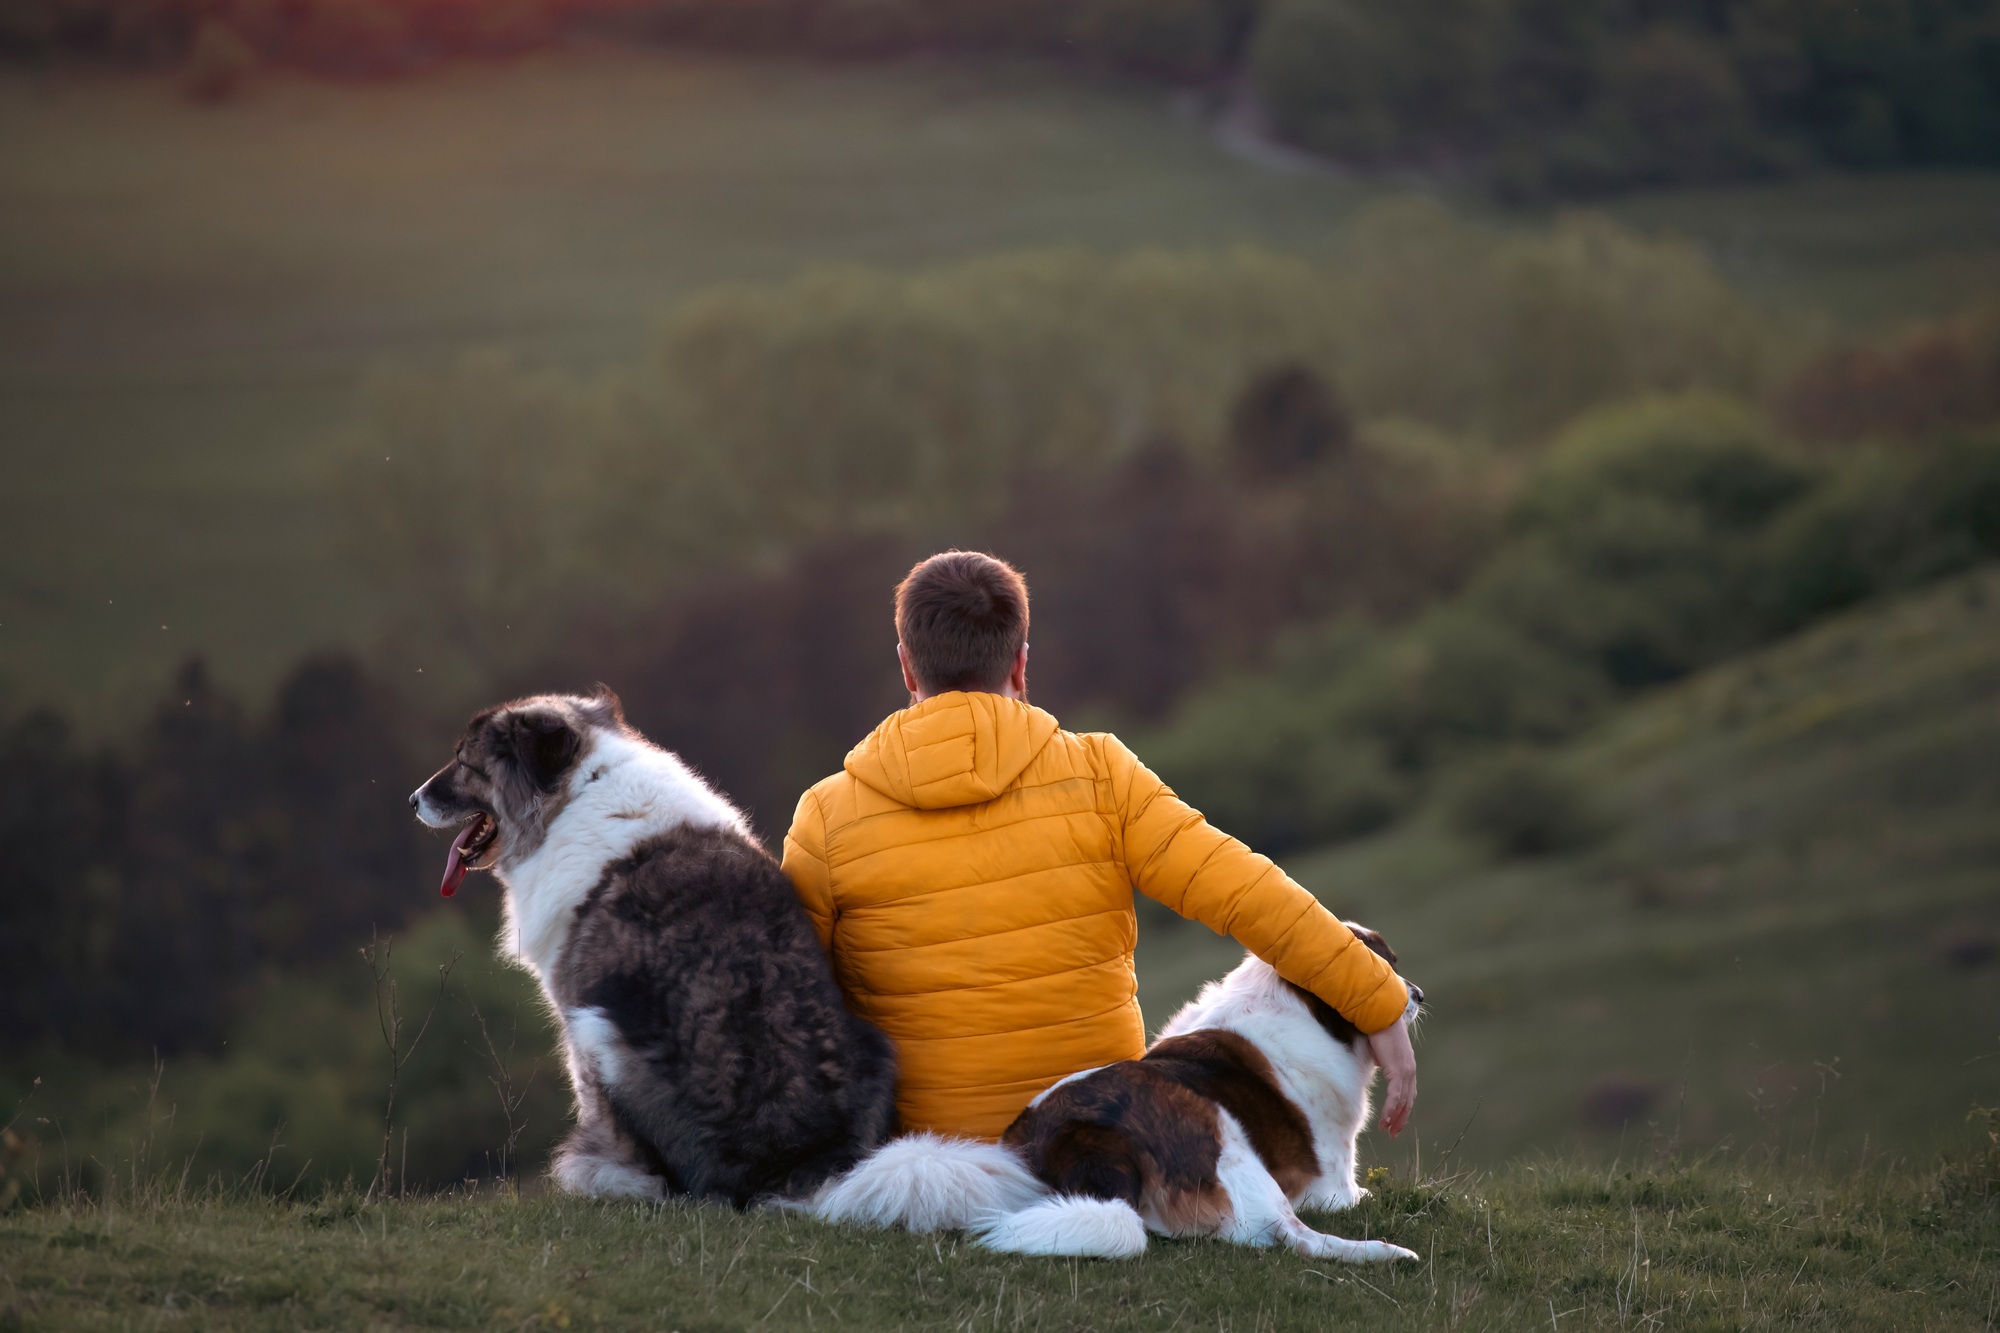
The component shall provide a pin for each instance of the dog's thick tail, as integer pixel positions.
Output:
(929, 1182)
(1069, 1224)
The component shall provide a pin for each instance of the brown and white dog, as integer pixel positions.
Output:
(1245, 1109)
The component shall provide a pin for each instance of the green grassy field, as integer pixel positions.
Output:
(1792, 939)
(1668, 1245)
(190, 296)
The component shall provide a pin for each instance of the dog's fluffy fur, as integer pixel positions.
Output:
(707, 1043)
(1246, 1108)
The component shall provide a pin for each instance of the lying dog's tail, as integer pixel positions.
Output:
(1069, 1224)
(928, 1182)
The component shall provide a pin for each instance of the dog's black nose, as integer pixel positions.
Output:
(413, 800)
(1416, 991)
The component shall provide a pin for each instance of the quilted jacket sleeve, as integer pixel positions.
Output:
(805, 865)
(1177, 858)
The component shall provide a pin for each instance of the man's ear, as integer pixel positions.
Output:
(545, 745)
(909, 676)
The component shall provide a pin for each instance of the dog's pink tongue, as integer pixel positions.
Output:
(454, 863)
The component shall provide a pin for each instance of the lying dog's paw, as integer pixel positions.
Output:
(1335, 1198)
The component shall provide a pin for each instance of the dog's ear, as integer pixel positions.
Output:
(606, 699)
(1373, 939)
(544, 745)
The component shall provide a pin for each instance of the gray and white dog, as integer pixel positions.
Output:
(707, 1042)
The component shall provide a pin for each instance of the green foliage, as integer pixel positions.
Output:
(1637, 555)
(1175, 39)
(295, 1097)
(855, 393)
(1534, 97)
(1373, 82)
(924, 405)
(1549, 99)
(1337, 740)
(1888, 521)
(1256, 756)
(1651, 541)
(1911, 383)
(1509, 336)
(1708, 456)
(257, 573)
(1457, 680)
(1639, 546)
(152, 889)
(1171, 39)
(1521, 805)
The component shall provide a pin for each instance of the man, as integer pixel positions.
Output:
(971, 868)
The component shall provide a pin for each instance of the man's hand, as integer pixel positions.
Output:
(1391, 1049)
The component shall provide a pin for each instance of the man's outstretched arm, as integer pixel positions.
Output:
(1177, 858)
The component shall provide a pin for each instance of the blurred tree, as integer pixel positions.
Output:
(338, 776)
(1137, 581)
(151, 893)
(1671, 108)
(1903, 386)
(354, 38)
(58, 860)
(199, 855)
(1640, 538)
(1521, 805)
(1887, 522)
(1533, 97)
(761, 680)
(219, 62)
(1638, 550)
(1286, 420)
(1369, 82)
(1175, 39)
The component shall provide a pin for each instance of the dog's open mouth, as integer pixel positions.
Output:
(473, 841)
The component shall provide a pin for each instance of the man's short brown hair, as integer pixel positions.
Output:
(962, 617)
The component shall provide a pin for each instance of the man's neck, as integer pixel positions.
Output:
(1004, 691)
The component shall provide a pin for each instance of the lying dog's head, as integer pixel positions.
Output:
(507, 778)
(1373, 939)
(1331, 1019)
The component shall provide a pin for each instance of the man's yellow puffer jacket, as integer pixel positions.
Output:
(971, 873)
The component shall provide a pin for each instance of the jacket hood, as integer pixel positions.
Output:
(952, 749)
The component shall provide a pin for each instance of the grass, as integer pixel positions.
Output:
(1725, 1245)
(190, 295)
(1792, 938)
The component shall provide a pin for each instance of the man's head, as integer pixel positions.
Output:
(962, 624)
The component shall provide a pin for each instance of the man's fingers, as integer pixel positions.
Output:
(1396, 1106)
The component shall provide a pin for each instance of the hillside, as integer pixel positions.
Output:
(192, 297)
(1791, 939)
